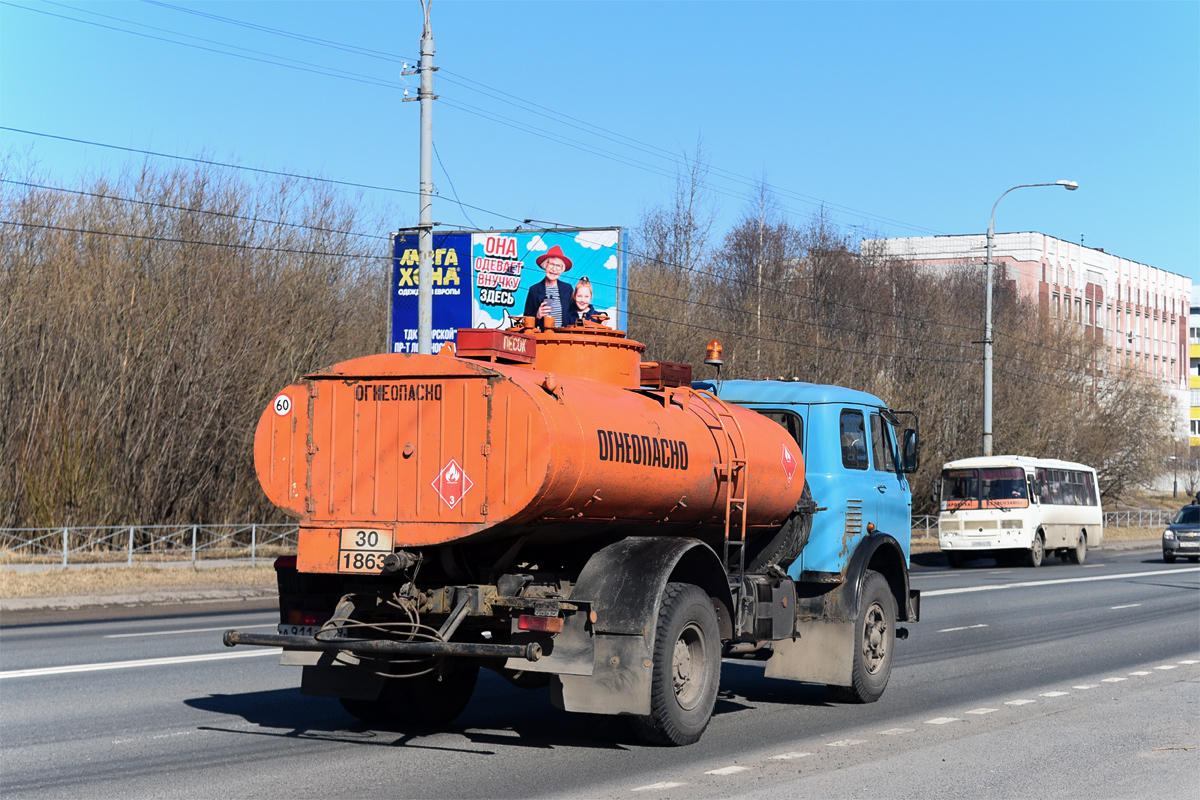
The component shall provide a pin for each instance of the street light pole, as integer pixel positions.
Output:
(1070, 186)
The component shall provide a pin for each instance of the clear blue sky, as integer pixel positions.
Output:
(902, 118)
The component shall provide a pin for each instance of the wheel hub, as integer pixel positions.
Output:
(875, 638)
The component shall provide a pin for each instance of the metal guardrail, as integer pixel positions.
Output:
(111, 543)
(174, 542)
(925, 526)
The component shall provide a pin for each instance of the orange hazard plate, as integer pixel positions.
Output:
(362, 550)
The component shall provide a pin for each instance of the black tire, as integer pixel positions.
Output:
(432, 700)
(955, 560)
(875, 642)
(1168, 559)
(1037, 552)
(1078, 554)
(784, 547)
(687, 668)
(1194, 559)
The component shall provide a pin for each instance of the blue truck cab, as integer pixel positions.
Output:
(854, 462)
(851, 570)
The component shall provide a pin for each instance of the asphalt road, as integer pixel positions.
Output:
(1064, 681)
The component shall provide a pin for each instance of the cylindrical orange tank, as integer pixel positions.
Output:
(545, 435)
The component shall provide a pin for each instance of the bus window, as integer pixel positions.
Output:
(1090, 482)
(960, 489)
(1003, 487)
(881, 444)
(854, 439)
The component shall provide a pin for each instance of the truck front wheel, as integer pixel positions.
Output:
(432, 700)
(686, 669)
(875, 642)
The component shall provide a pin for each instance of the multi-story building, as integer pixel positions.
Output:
(1194, 367)
(1141, 313)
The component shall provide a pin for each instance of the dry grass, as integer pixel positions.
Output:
(131, 580)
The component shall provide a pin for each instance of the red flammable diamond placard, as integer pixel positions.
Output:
(789, 464)
(452, 483)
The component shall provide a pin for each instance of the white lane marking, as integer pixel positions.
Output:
(1053, 694)
(1141, 672)
(1056, 582)
(982, 710)
(727, 770)
(895, 731)
(1087, 686)
(654, 787)
(1166, 666)
(193, 630)
(145, 662)
(845, 742)
(942, 720)
(1131, 605)
(149, 738)
(1190, 661)
(789, 756)
(1023, 702)
(963, 628)
(1113, 680)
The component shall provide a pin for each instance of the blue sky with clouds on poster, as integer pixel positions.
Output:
(900, 119)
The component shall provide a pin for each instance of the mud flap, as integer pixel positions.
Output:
(619, 683)
(824, 653)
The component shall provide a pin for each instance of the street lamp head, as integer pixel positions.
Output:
(1070, 185)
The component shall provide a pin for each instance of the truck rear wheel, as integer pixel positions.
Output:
(875, 643)
(687, 668)
(421, 702)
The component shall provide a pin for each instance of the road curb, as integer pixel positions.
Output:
(163, 598)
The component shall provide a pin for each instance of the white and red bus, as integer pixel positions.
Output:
(1017, 508)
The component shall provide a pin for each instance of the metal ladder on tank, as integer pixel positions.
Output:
(734, 469)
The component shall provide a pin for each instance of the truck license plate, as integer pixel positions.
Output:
(298, 630)
(362, 550)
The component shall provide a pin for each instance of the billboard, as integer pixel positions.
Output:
(481, 279)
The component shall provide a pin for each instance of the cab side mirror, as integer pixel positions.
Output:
(910, 452)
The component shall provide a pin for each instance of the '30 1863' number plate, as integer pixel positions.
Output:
(363, 549)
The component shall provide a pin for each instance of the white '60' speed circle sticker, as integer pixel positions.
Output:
(282, 405)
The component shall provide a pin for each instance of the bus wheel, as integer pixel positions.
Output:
(875, 643)
(1037, 552)
(687, 668)
(1078, 554)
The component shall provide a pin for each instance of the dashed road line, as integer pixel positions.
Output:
(895, 731)
(982, 710)
(657, 787)
(1131, 605)
(727, 770)
(1087, 686)
(1166, 666)
(1021, 702)
(845, 743)
(1141, 672)
(1113, 680)
(789, 756)
(942, 720)
(1053, 694)
(1190, 661)
(963, 628)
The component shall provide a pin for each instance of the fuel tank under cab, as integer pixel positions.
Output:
(558, 435)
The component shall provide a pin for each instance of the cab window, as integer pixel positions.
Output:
(882, 445)
(854, 439)
(793, 423)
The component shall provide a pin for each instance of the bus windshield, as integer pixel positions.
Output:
(992, 487)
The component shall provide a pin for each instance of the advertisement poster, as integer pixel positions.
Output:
(483, 279)
(451, 288)
(505, 269)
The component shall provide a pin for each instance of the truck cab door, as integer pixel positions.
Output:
(893, 497)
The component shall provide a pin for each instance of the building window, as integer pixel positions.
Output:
(1195, 398)
(1196, 427)
(1194, 336)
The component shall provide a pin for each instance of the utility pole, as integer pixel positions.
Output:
(425, 226)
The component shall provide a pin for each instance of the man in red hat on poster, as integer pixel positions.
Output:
(551, 297)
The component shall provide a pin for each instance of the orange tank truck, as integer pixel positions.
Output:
(541, 502)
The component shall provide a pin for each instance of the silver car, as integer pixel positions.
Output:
(1181, 539)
